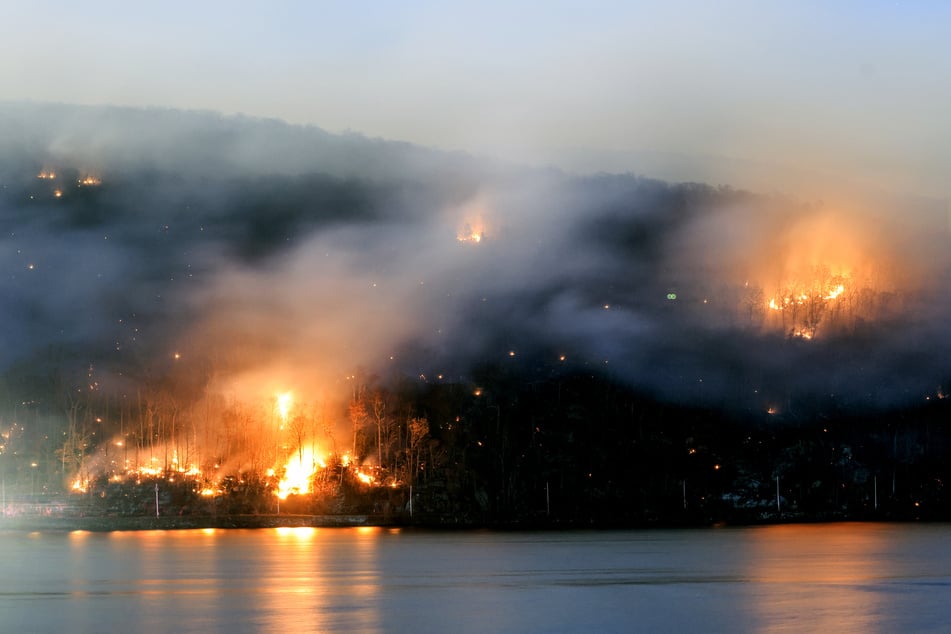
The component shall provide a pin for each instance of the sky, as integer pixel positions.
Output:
(793, 97)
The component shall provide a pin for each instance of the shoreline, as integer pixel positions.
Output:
(146, 523)
(103, 524)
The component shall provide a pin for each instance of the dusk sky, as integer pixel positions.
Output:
(786, 96)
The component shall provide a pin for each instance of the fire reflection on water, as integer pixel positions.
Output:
(823, 577)
(314, 577)
(818, 574)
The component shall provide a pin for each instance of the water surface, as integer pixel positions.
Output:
(838, 577)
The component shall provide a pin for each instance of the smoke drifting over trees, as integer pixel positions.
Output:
(177, 271)
(264, 250)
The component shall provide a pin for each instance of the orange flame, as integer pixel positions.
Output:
(284, 406)
(471, 234)
(298, 473)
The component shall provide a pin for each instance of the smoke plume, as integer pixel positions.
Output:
(270, 256)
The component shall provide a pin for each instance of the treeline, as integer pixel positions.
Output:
(581, 449)
(511, 445)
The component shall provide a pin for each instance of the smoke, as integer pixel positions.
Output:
(271, 257)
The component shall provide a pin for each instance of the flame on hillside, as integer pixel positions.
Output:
(474, 226)
(299, 473)
(297, 467)
(284, 402)
(471, 232)
(296, 475)
(824, 273)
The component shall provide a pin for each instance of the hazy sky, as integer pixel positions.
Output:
(791, 93)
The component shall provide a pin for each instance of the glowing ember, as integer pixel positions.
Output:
(365, 478)
(46, 175)
(152, 469)
(90, 181)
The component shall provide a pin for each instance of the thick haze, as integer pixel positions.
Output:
(272, 257)
(804, 98)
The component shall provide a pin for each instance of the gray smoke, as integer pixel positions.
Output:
(272, 254)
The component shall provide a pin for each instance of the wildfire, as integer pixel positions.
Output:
(838, 290)
(298, 473)
(90, 181)
(152, 469)
(801, 299)
(803, 302)
(284, 406)
(470, 234)
(296, 476)
(474, 216)
(291, 452)
(47, 175)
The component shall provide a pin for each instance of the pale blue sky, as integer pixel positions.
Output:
(794, 94)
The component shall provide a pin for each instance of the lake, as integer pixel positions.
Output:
(795, 578)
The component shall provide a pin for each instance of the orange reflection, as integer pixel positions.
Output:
(322, 573)
(815, 577)
(298, 532)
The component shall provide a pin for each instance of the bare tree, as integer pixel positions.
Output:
(358, 418)
(418, 434)
(378, 405)
(298, 429)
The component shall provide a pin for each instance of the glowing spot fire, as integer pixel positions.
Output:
(298, 473)
(468, 235)
(838, 290)
(284, 405)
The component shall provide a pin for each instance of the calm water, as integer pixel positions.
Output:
(830, 578)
